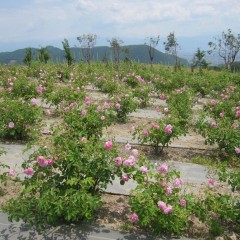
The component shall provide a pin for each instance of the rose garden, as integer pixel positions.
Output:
(78, 123)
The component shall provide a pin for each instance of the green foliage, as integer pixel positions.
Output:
(158, 134)
(160, 206)
(28, 57)
(19, 120)
(68, 54)
(65, 181)
(127, 103)
(219, 123)
(43, 55)
(88, 120)
(180, 103)
(62, 95)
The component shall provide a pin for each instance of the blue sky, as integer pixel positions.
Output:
(25, 23)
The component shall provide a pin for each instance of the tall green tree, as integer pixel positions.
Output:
(116, 44)
(227, 46)
(28, 57)
(199, 60)
(152, 43)
(68, 55)
(87, 42)
(171, 47)
(43, 55)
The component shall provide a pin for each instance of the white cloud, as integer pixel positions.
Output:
(58, 19)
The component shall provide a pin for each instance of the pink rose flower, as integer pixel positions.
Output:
(177, 182)
(237, 115)
(48, 112)
(162, 205)
(34, 101)
(155, 126)
(128, 147)
(29, 171)
(11, 124)
(134, 217)
(237, 150)
(108, 145)
(125, 177)
(144, 169)
(118, 160)
(163, 184)
(168, 209)
(102, 118)
(211, 181)
(144, 132)
(42, 161)
(169, 191)
(163, 168)
(49, 161)
(11, 172)
(168, 129)
(135, 152)
(213, 102)
(165, 110)
(118, 106)
(183, 202)
(106, 105)
(83, 139)
(84, 112)
(213, 124)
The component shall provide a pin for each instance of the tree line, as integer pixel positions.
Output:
(227, 46)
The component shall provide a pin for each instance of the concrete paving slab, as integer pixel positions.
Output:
(146, 113)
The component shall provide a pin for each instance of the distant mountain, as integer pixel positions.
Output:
(137, 53)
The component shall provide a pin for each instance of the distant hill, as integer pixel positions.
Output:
(137, 53)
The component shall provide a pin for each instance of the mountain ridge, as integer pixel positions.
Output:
(137, 53)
